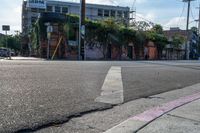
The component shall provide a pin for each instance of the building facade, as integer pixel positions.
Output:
(31, 10)
(192, 47)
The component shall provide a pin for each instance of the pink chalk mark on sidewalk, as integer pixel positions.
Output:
(156, 112)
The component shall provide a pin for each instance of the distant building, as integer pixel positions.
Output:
(193, 41)
(31, 10)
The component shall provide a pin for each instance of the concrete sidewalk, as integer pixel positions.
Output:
(185, 119)
(179, 116)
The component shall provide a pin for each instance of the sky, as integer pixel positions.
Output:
(168, 13)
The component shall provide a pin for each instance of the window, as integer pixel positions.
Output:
(49, 9)
(106, 13)
(126, 14)
(41, 1)
(119, 13)
(112, 13)
(33, 19)
(57, 9)
(100, 12)
(41, 10)
(64, 9)
(33, 9)
(31, 1)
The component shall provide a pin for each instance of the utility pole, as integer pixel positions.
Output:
(187, 29)
(82, 31)
(198, 20)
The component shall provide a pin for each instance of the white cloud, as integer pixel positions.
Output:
(105, 2)
(176, 22)
(140, 1)
(147, 17)
(11, 15)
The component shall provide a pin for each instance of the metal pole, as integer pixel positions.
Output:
(6, 40)
(81, 25)
(188, 15)
(199, 21)
(48, 48)
(187, 30)
(9, 51)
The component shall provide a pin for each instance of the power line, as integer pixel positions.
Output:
(178, 24)
(192, 13)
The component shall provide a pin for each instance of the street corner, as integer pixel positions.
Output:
(166, 117)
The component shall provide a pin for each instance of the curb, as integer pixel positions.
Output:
(136, 123)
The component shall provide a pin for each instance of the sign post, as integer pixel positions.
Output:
(49, 31)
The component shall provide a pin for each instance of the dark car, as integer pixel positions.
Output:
(4, 52)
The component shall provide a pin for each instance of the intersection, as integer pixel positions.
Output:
(38, 94)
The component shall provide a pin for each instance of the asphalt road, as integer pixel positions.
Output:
(38, 93)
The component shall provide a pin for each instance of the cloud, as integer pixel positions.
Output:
(11, 15)
(147, 17)
(141, 1)
(176, 22)
(105, 2)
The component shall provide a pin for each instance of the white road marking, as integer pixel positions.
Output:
(112, 89)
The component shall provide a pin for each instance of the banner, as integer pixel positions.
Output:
(37, 4)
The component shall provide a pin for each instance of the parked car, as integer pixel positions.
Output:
(4, 52)
(12, 53)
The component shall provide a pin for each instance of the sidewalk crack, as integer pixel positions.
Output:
(89, 126)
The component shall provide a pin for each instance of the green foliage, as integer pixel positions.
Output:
(13, 42)
(177, 41)
(141, 25)
(34, 34)
(105, 33)
(1, 41)
(157, 36)
(194, 29)
(127, 35)
(158, 29)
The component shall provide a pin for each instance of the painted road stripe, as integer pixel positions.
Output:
(139, 121)
(112, 89)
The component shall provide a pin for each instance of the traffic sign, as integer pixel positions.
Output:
(6, 28)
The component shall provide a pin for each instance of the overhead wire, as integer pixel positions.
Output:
(184, 5)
